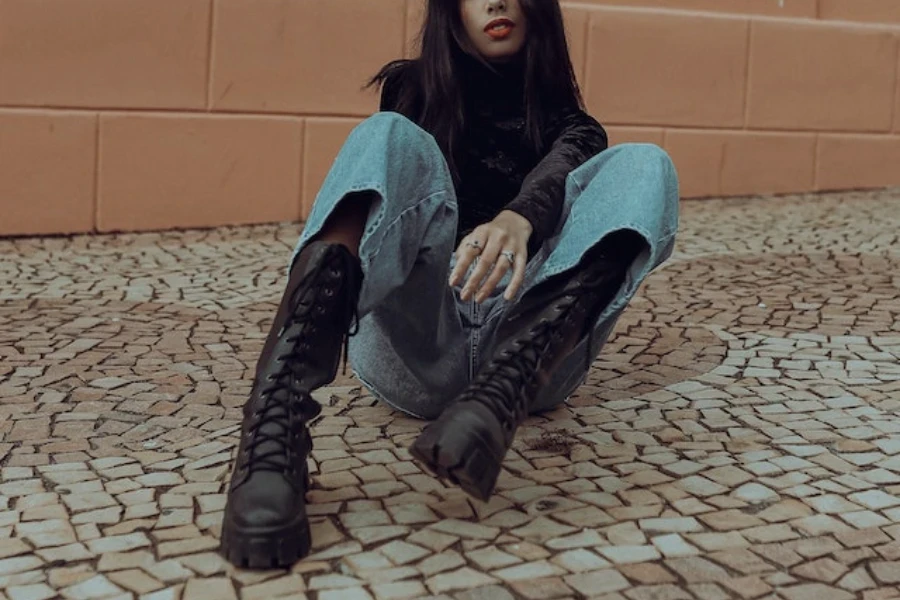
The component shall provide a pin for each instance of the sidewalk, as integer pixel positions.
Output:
(739, 438)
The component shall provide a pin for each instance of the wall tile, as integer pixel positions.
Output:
(635, 135)
(646, 68)
(857, 161)
(323, 140)
(303, 56)
(736, 163)
(821, 76)
(47, 166)
(173, 171)
(698, 159)
(104, 53)
(790, 8)
(767, 163)
(871, 11)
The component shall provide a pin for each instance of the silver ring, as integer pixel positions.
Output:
(474, 244)
(510, 256)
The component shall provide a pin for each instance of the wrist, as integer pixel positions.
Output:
(519, 220)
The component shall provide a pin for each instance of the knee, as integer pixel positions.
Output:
(396, 126)
(648, 164)
(644, 156)
(404, 140)
(390, 119)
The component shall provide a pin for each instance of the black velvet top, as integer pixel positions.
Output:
(498, 168)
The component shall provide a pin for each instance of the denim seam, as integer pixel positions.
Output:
(370, 229)
(368, 238)
(554, 270)
(474, 340)
(379, 396)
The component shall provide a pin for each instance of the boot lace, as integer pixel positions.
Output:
(287, 406)
(504, 384)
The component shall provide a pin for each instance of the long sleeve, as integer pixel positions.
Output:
(540, 199)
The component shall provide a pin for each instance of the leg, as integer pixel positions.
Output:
(348, 222)
(619, 223)
(630, 189)
(395, 171)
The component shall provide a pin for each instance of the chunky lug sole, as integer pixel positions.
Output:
(265, 548)
(457, 448)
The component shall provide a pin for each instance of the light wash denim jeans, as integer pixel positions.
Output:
(418, 344)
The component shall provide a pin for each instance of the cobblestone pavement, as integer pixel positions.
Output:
(739, 438)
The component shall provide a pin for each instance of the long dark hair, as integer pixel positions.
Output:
(431, 95)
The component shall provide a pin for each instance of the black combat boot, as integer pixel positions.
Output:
(467, 443)
(265, 524)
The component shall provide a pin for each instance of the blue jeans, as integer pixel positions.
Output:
(418, 344)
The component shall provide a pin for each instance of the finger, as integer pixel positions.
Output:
(518, 277)
(485, 264)
(487, 288)
(465, 256)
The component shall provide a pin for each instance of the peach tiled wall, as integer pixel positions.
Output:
(153, 114)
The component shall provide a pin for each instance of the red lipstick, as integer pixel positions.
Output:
(499, 28)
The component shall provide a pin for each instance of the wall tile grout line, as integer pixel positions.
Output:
(586, 88)
(586, 48)
(97, 164)
(815, 182)
(748, 65)
(895, 117)
(210, 53)
(407, 51)
(301, 171)
(175, 112)
(233, 114)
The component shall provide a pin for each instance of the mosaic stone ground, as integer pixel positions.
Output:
(739, 438)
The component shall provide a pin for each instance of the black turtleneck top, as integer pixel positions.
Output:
(498, 167)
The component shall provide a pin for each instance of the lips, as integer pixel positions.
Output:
(498, 28)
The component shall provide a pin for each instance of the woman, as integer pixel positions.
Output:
(482, 146)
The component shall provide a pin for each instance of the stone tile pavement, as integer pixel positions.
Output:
(739, 438)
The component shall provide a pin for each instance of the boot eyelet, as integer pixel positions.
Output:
(335, 273)
(329, 292)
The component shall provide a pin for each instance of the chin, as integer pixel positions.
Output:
(501, 56)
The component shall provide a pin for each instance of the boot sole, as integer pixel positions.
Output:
(265, 549)
(455, 449)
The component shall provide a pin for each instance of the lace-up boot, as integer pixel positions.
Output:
(467, 443)
(265, 523)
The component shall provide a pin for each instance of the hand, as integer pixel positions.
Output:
(508, 232)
